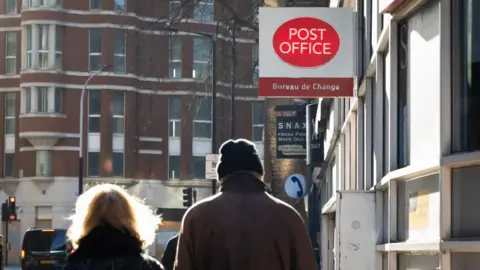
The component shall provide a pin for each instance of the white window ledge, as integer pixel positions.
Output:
(466, 245)
(408, 173)
(43, 114)
(330, 206)
(464, 159)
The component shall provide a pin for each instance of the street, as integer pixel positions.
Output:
(15, 267)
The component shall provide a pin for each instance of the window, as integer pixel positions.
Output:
(10, 108)
(58, 47)
(174, 116)
(43, 163)
(202, 48)
(175, 54)
(44, 3)
(42, 105)
(11, 53)
(10, 6)
(95, 49)
(198, 169)
(93, 165)
(255, 64)
(43, 46)
(58, 100)
(118, 112)
(95, 4)
(9, 166)
(29, 47)
(402, 107)
(466, 90)
(94, 105)
(28, 100)
(120, 5)
(175, 9)
(173, 167)
(203, 10)
(258, 121)
(119, 51)
(117, 164)
(202, 121)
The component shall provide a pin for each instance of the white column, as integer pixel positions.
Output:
(24, 46)
(23, 99)
(24, 4)
(51, 99)
(34, 99)
(35, 45)
(51, 46)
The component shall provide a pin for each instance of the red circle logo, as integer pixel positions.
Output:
(306, 42)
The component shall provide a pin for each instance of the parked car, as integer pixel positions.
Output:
(45, 249)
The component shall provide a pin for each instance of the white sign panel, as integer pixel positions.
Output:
(307, 52)
(211, 161)
(296, 186)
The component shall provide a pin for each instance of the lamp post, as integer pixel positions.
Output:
(233, 32)
(80, 150)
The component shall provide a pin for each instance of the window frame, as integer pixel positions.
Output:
(95, 115)
(121, 8)
(193, 167)
(58, 47)
(48, 156)
(173, 121)
(9, 59)
(100, 2)
(169, 168)
(172, 58)
(198, 102)
(94, 54)
(258, 125)
(171, 12)
(89, 173)
(29, 47)
(11, 3)
(12, 155)
(117, 117)
(122, 174)
(43, 53)
(8, 117)
(206, 64)
(119, 55)
(203, 5)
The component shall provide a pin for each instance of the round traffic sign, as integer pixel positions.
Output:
(296, 186)
(306, 42)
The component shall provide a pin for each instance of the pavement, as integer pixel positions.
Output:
(15, 267)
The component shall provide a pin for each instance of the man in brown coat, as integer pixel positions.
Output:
(243, 227)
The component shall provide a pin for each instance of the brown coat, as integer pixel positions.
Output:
(243, 228)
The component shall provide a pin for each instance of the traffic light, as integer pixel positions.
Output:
(12, 208)
(187, 197)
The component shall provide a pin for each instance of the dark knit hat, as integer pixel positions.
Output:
(238, 155)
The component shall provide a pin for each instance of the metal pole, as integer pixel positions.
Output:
(7, 245)
(214, 105)
(234, 75)
(80, 150)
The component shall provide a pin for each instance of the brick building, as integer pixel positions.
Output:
(146, 115)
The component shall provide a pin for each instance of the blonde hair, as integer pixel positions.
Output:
(112, 205)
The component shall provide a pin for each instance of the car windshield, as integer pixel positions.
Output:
(55, 240)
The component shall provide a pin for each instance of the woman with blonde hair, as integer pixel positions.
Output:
(111, 230)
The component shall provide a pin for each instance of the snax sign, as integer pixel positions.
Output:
(306, 52)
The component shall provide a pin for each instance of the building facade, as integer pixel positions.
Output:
(147, 109)
(408, 137)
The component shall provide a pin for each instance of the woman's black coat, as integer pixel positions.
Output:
(168, 258)
(107, 248)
